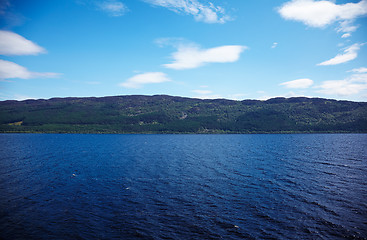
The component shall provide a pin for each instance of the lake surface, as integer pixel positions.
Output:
(74, 186)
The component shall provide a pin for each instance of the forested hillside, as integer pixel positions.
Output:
(167, 114)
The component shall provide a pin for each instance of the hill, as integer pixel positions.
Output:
(168, 114)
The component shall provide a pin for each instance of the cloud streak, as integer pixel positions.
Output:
(349, 54)
(299, 83)
(12, 70)
(191, 56)
(113, 8)
(352, 85)
(359, 70)
(202, 13)
(4, 4)
(14, 44)
(202, 92)
(139, 80)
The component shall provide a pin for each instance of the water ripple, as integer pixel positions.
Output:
(183, 186)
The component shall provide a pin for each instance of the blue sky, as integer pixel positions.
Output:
(255, 49)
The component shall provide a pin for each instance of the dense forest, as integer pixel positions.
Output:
(167, 114)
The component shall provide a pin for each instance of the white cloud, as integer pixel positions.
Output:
(346, 35)
(349, 86)
(139, 80)
(13, 70)
(20, 97)
(205, 96)
(299, 83)
(202, 92)
(286, 95)
(349, 54)
(346, 26)
(14, 44)
(322, 13)
(203, 13)
(274, 45)
(359, 70)
(191, 56)
(114, 8)
(358, 77)
(341, 87)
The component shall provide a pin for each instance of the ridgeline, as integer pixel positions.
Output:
(167, 114)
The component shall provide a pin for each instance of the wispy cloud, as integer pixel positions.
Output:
(274, 45)
(352, 85)
(208, 96)
(350, 53)
(202, 92)
(13, 70)
(14, 44)
(9, 17)
(266, 96)
(359, 70)
(175, 42)
(322, 13)
(191, 56)
(346, 35)
(140, 80)
(21, 97)
(341, 87)
(4, 4)
(113, 8)
(204, 13)
(347, 27)
(299, 83)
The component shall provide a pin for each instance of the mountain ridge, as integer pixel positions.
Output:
(170, 96)
(173, 114)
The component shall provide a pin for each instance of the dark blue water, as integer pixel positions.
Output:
(183, 186)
